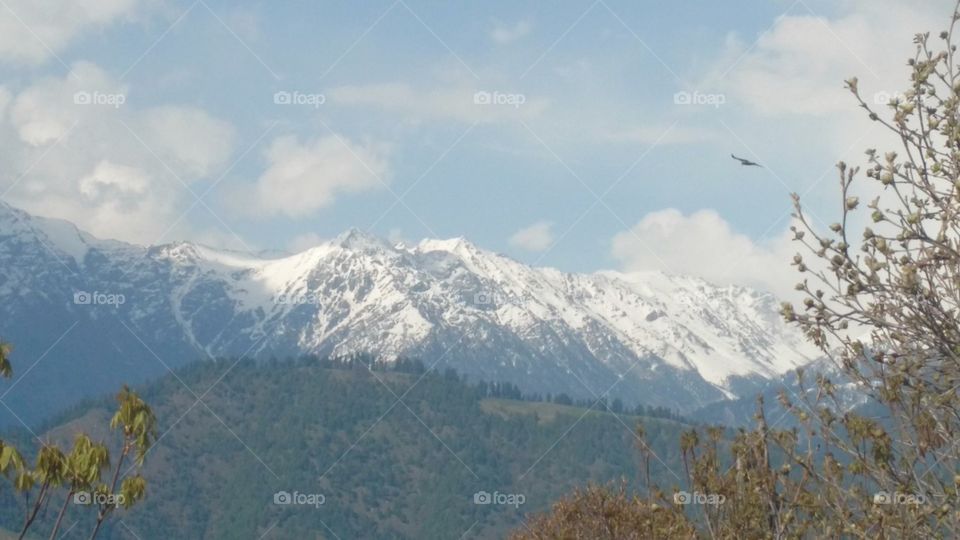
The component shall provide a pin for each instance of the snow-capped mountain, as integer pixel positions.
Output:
(129, 312)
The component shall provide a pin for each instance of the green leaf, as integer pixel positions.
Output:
(10, 456)
(6, 369)
(24, 481)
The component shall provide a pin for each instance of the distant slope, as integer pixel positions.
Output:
(741, 412)
(672, 341)
(386, 469)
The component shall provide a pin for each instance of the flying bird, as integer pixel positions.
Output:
(746, 162)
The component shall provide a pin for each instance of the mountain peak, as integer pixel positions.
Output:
(178, 249)
(11, 215)
(356, 239)
(457, 244)
(57, 236)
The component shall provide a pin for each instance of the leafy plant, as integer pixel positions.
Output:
(78, 474)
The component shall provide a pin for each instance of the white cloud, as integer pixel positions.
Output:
(105, 166)
(6, 97)
(799, 65)
(119, 183)
(303, 177)
(789, 84)
(503, 34)
(703, 244)
(31, 31)
(187, 138)
(46, 110)
(536, 237)
(305, 241)
(786, 103)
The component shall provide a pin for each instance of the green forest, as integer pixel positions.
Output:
(386, 468)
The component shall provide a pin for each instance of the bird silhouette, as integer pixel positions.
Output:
(746, 162)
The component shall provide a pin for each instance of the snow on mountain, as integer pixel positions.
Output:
(643, 337)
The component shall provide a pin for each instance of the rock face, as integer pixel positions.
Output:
(87, 314)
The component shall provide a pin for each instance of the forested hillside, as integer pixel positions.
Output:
(385, 468)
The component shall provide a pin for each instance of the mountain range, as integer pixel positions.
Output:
(87, 314)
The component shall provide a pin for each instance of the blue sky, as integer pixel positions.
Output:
(589, 163)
